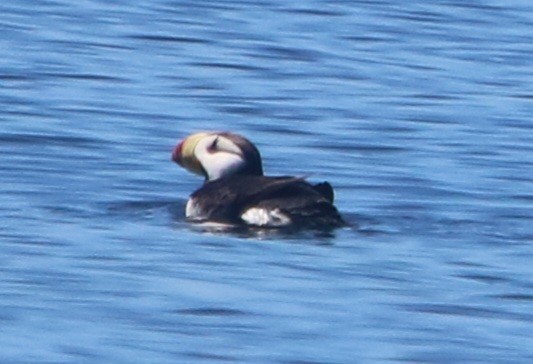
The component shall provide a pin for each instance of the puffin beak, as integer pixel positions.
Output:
(184, 154)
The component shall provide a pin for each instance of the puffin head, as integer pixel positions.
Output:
(218, 154)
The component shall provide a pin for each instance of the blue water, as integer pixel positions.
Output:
(418, 113)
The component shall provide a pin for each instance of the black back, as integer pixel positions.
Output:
(227, 198)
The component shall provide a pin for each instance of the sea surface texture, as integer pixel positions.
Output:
(419, 113)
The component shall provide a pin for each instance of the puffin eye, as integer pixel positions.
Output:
(214, 145)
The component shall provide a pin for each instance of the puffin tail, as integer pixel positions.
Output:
(325, 190)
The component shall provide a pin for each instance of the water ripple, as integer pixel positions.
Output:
(418, 113)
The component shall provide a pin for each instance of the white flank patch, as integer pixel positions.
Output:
(263, 217)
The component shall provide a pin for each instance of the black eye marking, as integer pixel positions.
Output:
(213, 146)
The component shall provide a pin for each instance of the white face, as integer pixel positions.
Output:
(219, 156)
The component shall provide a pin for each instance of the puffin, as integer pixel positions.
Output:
(236, 192)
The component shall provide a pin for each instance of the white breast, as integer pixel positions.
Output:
(193, 211)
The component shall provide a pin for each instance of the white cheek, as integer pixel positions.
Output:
(220, 164)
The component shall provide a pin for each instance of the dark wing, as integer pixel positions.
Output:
(306, 204)
(227, 198)
(224, 199)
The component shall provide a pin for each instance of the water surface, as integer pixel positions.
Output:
(418, 114)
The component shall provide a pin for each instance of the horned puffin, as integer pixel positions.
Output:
(236, 192)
